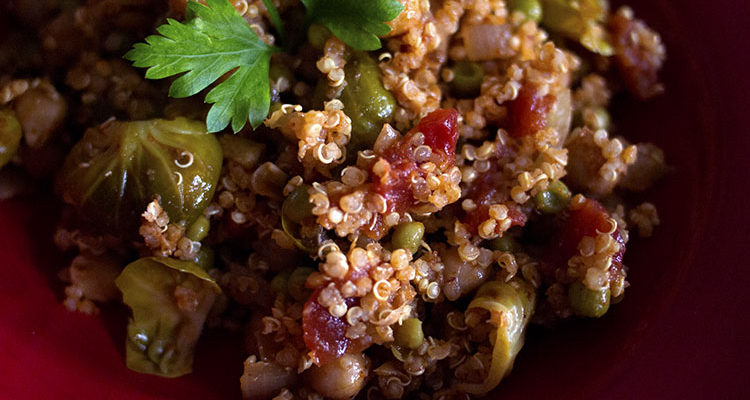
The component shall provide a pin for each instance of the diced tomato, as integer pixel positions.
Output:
(585, 221)
(528, 112)
(440, 134)
(324, 334)
(639, 66)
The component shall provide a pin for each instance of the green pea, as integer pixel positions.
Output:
(317, 35)
(554, 199)
(278, 71)
(505, 243)
(467, 79)
(531, 8)
(10, 136)
(366, 101)
(409, 333)
(205, 258)
(296, 283)
(588, 303)
(199, 229)
(408, 235)
(280, 282)
(297, 206)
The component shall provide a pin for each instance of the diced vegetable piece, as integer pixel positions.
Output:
(170, 300)
(639, 55)
(440, 135)
(117, 168)
(324, 334)
(366, 101)
(528, 112)
(409, 333)
(263, 379)
(588, 303)
(408, 236)
(553, 199)
(511, 305)
(467, 78)
(580, 20)
(485, 42)
(10, 136)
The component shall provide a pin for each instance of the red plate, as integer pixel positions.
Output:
(680, 333)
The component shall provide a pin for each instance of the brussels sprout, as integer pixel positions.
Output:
(580, 20)
(10, 136)
(170, 300)
(511, 304)
(117, 168)
(366, 101)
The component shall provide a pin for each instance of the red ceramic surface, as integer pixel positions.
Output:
(680, 333)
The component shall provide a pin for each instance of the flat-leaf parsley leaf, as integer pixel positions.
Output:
(214, 41)
(357, 23)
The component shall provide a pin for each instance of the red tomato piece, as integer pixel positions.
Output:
(324, 334)
(528, 112)
(440, 134)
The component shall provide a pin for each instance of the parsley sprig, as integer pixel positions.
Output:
(215, 40)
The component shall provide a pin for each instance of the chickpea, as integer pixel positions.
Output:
(340, 379)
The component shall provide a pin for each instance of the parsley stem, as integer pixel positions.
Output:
(273, 13)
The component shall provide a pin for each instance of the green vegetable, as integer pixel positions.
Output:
(553, 199)
(467, 79)
(295, 208)
(531, 8)
(205, 258)
(212, 43)
(357, 23)
(199, 229)
(409, 333)
(588, 303)
(317, 35)
(366, 101)
(580, 20)
(170, 300)
(117, 168)
(297, 205)
(280, 282)
(10, 136)
(215, 40)
(408, 235)
(296, 283)
(511, 304)
(505, 243)
(273, 15)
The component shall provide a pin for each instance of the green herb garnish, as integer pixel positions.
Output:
(215, 40)
(357, 23)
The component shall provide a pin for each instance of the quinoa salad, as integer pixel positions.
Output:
(379, 196)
